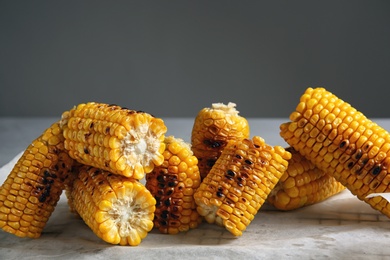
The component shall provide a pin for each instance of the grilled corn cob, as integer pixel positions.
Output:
(213, 128)
(115, 139)
(340, 140)
(118, 209)
(173, 184)
(31, 191)
(239, 183)
(302, 184)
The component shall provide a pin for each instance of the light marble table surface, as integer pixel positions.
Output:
(342, 227)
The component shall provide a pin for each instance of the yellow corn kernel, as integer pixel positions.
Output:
(173, 184)
(115, 139)
(213, 128)
(244, 175)
(33, 187)
(356, 147)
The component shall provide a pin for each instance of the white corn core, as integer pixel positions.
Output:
(126, 214)
(140, 145)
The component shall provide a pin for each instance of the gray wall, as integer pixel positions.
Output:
(172, 58)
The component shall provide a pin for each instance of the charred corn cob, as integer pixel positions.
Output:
(173, 185)
(239, 183)
(302, 184)
(340, 140)
(118, 209)
(31, 191)
(115, 139)
(213, 128)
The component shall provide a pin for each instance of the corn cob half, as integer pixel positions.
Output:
(118, 209)
(302, 184)
(173, 185)
(115, 139)
(31, 191)
(341, 141)
(213, 128)
(239, 183)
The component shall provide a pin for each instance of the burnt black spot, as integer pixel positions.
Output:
(343, 144)
(172, 184)
(164, 214)
(238, 156)
(42, 198)
(350, 165)
(358, 154)
(107, 130)
(86, 150)
(167, 202)
(219, 194)
(210, 162)
(213, 143)
(377, 169)
(91, 125)
(248, 162)
(230, 173)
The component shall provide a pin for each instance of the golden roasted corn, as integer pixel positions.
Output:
(213, 128)
(119, 140)
(240, 182)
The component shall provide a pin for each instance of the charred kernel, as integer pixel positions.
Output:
(210, 162)
(238, 156)
(344, 144)
(230, 173)
(377, 169)
(219, 194)
(248, 162)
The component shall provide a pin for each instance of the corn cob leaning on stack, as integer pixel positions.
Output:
(341, 141)
(173, 184)
(118, 209)
(302, 184)
(213, 128)
(239, 183)
(119, 140)
(31, 191)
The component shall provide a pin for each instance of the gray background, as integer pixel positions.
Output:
(172, 58)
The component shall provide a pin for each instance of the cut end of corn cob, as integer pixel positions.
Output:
(32, 189)
(341, 141)
(240, 182)
(302, 184)
(118, 209)
(213, 128)
(173, 184)
(119, 140)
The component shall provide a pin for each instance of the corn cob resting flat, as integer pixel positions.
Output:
(31, 191)
(173, 185)
(302, 184)
(341, 141)
(119, 140)
(239, 183)
(213, 128)
(118, 209)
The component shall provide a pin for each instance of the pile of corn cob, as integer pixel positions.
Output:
(99, 153)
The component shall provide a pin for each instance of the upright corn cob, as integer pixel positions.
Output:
(340, 140)
(302, 184)
(118, 209)
(115, 139)
(31, 191)
(239, 183)
(173, 185)
(213, 128)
